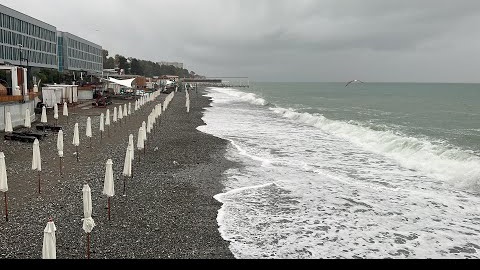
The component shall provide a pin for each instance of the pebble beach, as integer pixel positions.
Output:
(168, 212)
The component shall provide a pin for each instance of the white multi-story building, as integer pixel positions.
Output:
(78, 54)
(26, 41)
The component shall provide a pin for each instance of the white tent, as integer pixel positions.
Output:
(126, 83)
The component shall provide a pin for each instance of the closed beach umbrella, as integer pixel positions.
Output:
(120, 114)
(127, 168)
(4, 182)
(88, 222)
(131, 143)
(49, 250)
(60, 148)
(28, 121)
(136, 105)
(115, 115)
(44, 115)
(102, 125)
(129, 108)
(125, 110)
(107, 121)
(55, 113)
(88, 132)
(60, 143)
(65, 110)
(149, 124)
(140, 141)
(108, 184)
(144, 126)
(76, 139)
(37, 161)
(8, 123)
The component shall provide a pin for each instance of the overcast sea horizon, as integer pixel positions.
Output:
(374, 170)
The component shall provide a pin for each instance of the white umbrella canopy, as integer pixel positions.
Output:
(65, 109)
(102, 122)
(44, 115)
(88, 222)
(129, 108)
(3, 174)
(125, 110)
(136, 105)
(55, 111)
(3, 182)
(140, 140)
(115, 115)
(130, 144)
(76, 136)
(60, 143)
(49, 250)
(36, 158)
(149, 124)
(107, 118)
(88, 132)
(28, 120)
(37, 162)
(8, 122)
(120, 113)
(144, 126)
(127, 166)
(108, 185)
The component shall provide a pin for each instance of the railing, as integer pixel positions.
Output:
(4, 99)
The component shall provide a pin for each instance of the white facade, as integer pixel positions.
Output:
(24, 39)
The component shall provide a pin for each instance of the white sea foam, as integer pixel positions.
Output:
(337, 190)
(456, 166)
(236, 95)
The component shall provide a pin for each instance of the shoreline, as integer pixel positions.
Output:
(169, 211)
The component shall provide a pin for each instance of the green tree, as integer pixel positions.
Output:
(122, 63)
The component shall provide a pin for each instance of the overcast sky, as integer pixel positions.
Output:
(283, 40)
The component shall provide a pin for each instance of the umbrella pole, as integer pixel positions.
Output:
(61, 166)
(6, 207)
(109, 208)
(124, 186)
(108, 131)
(101, 135)
(88, 246)
(90, 142)
(77, 154)
(39, 179)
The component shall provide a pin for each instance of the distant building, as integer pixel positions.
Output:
(175, 64)
(78, 54)
(25, 39)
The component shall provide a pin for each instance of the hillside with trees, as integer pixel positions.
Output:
(141, 67)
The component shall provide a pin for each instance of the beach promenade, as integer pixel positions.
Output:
(169, 211)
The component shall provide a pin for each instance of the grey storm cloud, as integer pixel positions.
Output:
(314, 40)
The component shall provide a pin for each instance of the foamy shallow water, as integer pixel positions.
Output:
(308, 191)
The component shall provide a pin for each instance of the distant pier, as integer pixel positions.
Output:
(224, 82)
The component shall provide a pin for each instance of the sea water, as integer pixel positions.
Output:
(372, 170)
